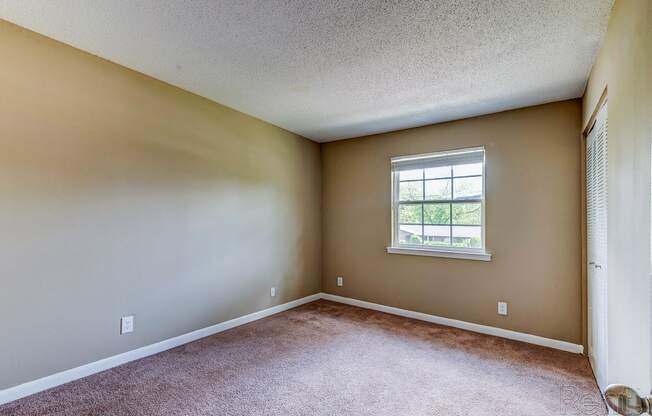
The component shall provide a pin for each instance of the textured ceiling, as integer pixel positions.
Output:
(341, 68)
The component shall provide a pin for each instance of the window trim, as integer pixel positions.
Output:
(421, 250)
(457, 254)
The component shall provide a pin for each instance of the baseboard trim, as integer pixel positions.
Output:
(54, 380)
(483, 329)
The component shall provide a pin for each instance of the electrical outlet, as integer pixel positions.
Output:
(340, 281)
(502, 308)
(126, 324)
(272, 292)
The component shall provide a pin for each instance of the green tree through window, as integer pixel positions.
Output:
(441, 205)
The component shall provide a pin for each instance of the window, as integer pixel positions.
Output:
(438, 204)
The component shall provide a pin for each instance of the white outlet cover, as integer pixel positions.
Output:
(340, 281)
(126, 324)
(272, 292)
(502, 308)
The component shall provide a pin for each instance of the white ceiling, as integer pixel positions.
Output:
(341, 68)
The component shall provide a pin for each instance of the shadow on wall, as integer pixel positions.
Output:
(121, 195)
(171, 240)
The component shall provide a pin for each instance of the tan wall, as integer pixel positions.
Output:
(120, 194)
(532, 223)
(624, 69)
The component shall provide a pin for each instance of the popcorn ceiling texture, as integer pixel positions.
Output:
(337, 69)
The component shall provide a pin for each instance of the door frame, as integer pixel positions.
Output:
(584, 284)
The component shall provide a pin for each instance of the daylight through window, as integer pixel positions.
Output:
(438, 200)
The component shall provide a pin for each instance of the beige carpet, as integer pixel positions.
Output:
(330, 359)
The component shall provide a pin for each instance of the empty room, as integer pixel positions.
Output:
(325, 208)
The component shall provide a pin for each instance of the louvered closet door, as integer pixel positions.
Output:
(596, 177)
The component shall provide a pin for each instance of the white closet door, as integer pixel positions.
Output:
(597, 194)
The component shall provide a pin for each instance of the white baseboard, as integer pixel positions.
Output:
(483, 329)
(54, 380)
(48, 382)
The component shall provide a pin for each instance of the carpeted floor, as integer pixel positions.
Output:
(327, 359)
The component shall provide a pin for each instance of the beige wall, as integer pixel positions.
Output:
(624, 69)
(120, 194)
(532, 223)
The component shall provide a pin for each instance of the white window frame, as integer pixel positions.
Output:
(421, 250)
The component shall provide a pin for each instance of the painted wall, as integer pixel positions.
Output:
(532, 223)
(624, 69)
(120, 194)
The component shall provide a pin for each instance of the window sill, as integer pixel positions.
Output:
(465, 255)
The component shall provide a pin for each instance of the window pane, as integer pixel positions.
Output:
(406, 175)
(467, 237)
(436, 214)
(467, 214)
(439, 172)
(410, 191)
(409, 234)
(436, 235)
(409, 214)
(439, 207)
(467, 170)
(466, 188)
(438, 189)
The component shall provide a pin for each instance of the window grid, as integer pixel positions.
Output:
(450, 202)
